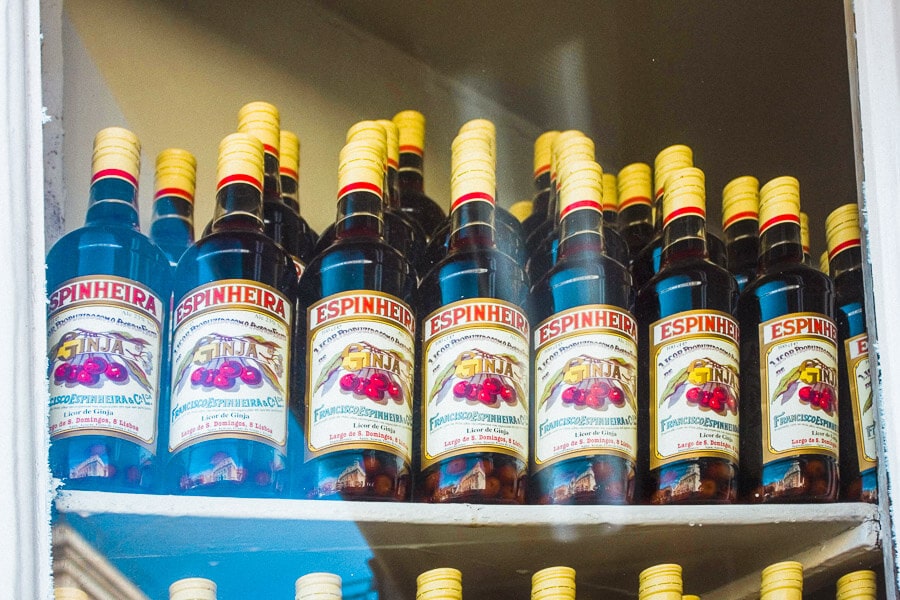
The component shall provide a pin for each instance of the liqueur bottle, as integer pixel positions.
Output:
(804, 238)
(858, 453)
(69, 593)
(282, 223)
(789, 359)
(413, 201)
(858, 585)
(635, 206)
(234, 309)
(356, 322)
(472, 412)
(289, 169)
(107, 331)
(660, 582)
(439, 584)
(584, 413)
(688, 360)
(740, 224)
(553, 583)
(318, 586)
(782, 581)
(611, 202)
(823, 262)
(173, 203)
(541, 199)
(193, 588)
(400, 231)
(521, 210)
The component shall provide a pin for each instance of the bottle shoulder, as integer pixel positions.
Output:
(580, 281)
(691, 284)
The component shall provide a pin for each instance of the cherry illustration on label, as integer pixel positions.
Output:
(488, 390)
(226, 375)
(376, 385)
(90, 371)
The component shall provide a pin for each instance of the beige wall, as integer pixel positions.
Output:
(178, 79)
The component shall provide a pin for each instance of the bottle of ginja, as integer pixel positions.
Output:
(660, 582)
(107, 331)
(789, 364)
(472, 405)
(193, 588)
(553, 583)
(439, 584)
(173, 203)
(318, 586)
(858, 585)
(233, 318)
(782, 581)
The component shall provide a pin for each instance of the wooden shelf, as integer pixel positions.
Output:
(256, 548)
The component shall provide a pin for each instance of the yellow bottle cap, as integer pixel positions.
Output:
(117, 153)
(690, 597)
(318, 586)
(779, 202)
(573, 149)
(824, 264)
(194, 588)
(635, 185)
(582, 190)
(470, 140)
(670, 158)
(176, 174)
(262, 120)
(411, 131)
(289, 163)
(610, 193)
(480, 125)
(660, 582)
(858, 585)
(361, 169)
(439, 583)
(393, 142)
(740, 200)
(542, 152)
(240, 160)
(474, 185)
(782, 581)
(374, 128)
(471, 153)
(69, 593)
(685, 195)
(804, 231)
(842, 229)
(560, 581)
(558, 142)
(522, 209)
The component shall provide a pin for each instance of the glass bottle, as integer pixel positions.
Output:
(584, 360)
(69, 593)
(804, 238)
(107, 272)
(611, 202)
(472, 403)
(740, 224)
(357, 326)
(789, 431)
(635, 206)
(541, 183)
(439, 584)
(858, 452)
(660, 582)
(858, 585)
(688, 361)
(318, 586)
(782, 581)
(823, 262)
(173, 203)
(289, 170)
(282, 223)
(193, 588)
(553, 583)
(410, 176)
(234, 310)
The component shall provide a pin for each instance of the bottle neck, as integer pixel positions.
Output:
(290, 191)
(272, 180)
(780, 245)
(844, 261)
(113, 200)
(173, 207)
(410, 176)
(359, 214)
(658, 211)
(238, 207)
(472, 225)
(581, 234)
(392, 191)
(741, 230)
(684, 238)
(542, 194)
(553, 202)
(611, 218)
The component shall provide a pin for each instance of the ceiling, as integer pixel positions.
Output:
(759, 88)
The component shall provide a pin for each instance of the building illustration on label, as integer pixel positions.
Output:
(229, 362)
(813, 382)
(89, 358)
(481, 377)
(705, 384)
(365, 371)
(592, 382)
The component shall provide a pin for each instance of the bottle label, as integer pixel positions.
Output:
(694, 399)
(585, 367)
(104, 338)
(798, 369)
(856, 351)
(230, 364)
(475, 380)
(360, 358)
